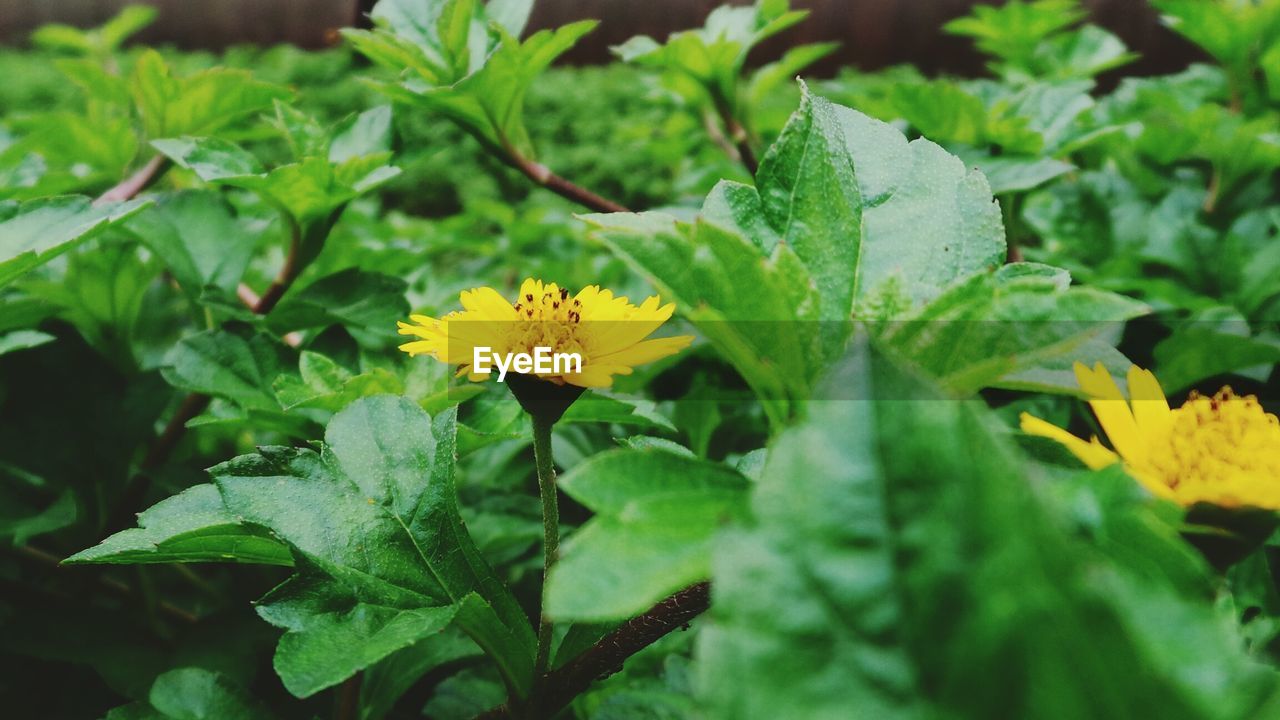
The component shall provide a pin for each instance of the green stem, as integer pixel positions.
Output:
(550, 528)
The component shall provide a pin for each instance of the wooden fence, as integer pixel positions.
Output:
(872, 33)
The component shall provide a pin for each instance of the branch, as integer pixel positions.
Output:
(541, 175)
(737, 134)
(137, 182)
(288, 273)
(559, 687)
(346, 699)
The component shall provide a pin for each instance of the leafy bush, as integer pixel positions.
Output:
(880, 449)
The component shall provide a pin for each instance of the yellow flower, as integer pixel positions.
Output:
(607, 333)
(1223, 450)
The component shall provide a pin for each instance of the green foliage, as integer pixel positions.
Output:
(455, 59)
(839, 224)
(35, 232)
(101, 41)
(913, 263)
(1034, 40)
(881, 575)
(656, 513)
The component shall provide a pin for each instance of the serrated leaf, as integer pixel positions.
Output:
(449, 64)
(192, 526)
(849, 217)
(227, 365)
(879, 579)
(198, 238)
(210, 159)
(326, 385)
(308, 191)
(367, 304)
(655, 515)
(995, 329)
(374, 525)
(35, 232)
(200, 104)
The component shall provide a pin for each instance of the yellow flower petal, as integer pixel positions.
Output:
(1150, 408)
(1093, 454)
(1113, 411)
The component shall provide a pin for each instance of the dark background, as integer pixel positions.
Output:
(872, 33)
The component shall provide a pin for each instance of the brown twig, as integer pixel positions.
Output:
(346, 699)
(284, 279)
(559, 687)
(541, 175)
(144, 178)
(1213, 191)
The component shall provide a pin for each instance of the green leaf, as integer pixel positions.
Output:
(30, 507)
(447, 62)
(599, 408)
(324, 384)
(100, 41)
(210, 159)
(881, 577)
(1007, 328)
(192, 526)
(334, 630)
(197, 694)
(201, 104)
(950, 113)
(713, 56)
(35, 232)
(753, 300)
(1232, 32)
(309, 191)
(849, 218)
(23, 340)
(368, 133)
(1202, 350)
(385, 682)
(197, 237)
(1015, 31)
(78, 152)
(227, 365)
(656, 513)
(367, 304)
(383, 554)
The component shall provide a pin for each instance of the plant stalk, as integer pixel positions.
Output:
(137, 182)
(737, 135)
(542, 175)
(542, 426)
(559, 687)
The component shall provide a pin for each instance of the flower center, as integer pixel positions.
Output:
(1220, 443)
(550, 320)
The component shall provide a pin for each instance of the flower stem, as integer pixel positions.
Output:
(542, 426)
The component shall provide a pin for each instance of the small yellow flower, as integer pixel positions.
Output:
(608, 333)
(1223, 450)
